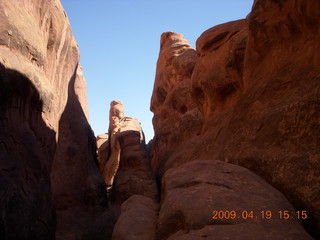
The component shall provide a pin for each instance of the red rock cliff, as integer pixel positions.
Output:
(176, 116)
(47, 160)
(256, 83)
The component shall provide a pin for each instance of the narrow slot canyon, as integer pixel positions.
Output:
(235, 152)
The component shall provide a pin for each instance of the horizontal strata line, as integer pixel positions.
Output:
(191, 184)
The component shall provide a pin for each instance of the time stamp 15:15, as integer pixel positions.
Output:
(283, 214)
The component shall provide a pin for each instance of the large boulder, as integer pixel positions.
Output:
(137, 220)
(214, 200)
(217, 200)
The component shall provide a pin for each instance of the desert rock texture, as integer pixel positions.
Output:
(255, 84)
(237, 133)
(198, 196)
(123, 158)
(176, 116)
(48, 172)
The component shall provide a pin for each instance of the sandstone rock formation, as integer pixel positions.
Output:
(248, 95)
(256, 83)
(25, 163)
(137, 220)
(123, 158)
(47, 148)
(115, 123)
(102, 150)
(192, 192)
(176, 116)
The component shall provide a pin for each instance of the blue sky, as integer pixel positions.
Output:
(119, 44)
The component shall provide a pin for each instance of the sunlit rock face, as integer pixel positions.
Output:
(47, 160)
(255, 87)
(102, 150)
(176, 117)
(211, 199)
(123, 158)
(125, 165)
(248, 96)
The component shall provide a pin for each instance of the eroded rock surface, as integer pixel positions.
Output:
(176, 117)
(249, 95)
(102, 149)
(116, 118)
(123, 157)
(192, 192)
(137, 220)
(47, 150)
(256, 84)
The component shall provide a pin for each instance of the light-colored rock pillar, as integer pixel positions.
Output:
(116, 115)
(102, 142)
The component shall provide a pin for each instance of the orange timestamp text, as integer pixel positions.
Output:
(264, 214)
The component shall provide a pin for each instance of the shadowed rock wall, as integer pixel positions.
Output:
(25, 162)
(49, 172)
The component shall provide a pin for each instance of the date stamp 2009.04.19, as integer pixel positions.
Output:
(264, 214)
